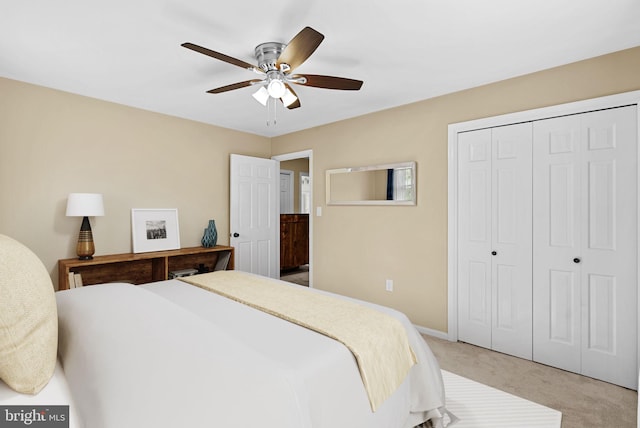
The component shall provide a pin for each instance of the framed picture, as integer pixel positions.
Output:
(154, 230)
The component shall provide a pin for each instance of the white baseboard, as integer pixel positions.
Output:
(431, 332)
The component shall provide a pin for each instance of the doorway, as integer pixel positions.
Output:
(297, 268)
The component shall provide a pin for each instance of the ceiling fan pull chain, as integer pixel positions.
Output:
(271, 111)
(275, 110)
(268, 111)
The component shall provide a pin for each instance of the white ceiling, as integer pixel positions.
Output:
(128, 51)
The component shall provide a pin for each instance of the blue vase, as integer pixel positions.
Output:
(210, 237)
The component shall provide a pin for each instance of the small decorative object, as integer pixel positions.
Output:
(85, 205)
(182, 273)
(155, 230)
(210, 237)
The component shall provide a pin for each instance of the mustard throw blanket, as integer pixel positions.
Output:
(378, 341)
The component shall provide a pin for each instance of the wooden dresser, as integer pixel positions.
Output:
(141, 268)
(294, 240)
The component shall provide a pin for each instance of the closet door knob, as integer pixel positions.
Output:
(576, 260)
(236, 234)
(494, 253)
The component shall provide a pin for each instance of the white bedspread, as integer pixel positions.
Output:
(378, 341)
(169, 354)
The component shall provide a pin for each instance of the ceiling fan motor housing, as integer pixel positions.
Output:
(267, 55)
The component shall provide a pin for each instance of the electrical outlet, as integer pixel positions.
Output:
(389, 285)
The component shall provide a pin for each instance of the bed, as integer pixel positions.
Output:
(170, 354)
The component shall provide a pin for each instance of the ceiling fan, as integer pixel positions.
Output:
(276, 62)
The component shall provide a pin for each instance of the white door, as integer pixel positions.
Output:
(557, 205)
(305, 193)
(494, 230)
(474, 234)
(511, 279)
(585, 261)
(254, 219)
(286, 191)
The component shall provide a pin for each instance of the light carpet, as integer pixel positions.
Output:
(477, 405)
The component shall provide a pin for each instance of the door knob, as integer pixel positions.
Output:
(494, 253)
(236, 234)
(576, 260)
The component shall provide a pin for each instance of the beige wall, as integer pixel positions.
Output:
(356, 248)
(53, 143)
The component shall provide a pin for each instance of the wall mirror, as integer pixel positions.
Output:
(389, 184)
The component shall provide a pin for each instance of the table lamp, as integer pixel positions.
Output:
(85, 205)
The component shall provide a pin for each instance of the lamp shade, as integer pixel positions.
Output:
(288, 98)
(85, 205)
(261, 95)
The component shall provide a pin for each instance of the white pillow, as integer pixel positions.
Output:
(28, 319)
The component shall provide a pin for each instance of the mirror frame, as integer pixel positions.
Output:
(331, 172)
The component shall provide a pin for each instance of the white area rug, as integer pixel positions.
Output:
(477, 405)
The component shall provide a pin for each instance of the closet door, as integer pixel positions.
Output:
(494, 229)
(474, 237)
(556, 242)
(512, 240)
(585, 232)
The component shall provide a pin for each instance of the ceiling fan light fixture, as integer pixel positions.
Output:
(288, 98)
(261, 95)
(276, 88)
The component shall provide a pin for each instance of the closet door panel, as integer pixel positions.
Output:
(609, 252)
(557, 307)
(511, 239)
(563, 292)
(562, 227)
(474, 238)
